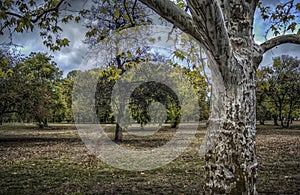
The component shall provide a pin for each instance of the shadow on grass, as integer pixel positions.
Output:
(38, 139)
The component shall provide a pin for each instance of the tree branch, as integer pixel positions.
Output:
(39, 15)
(13, 14)
(280, 40)
(175, 15)
(209, 18)
(48, 11)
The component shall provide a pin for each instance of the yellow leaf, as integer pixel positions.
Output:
(138, 51)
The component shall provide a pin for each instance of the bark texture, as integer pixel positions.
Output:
(224, 28)
(231, 165)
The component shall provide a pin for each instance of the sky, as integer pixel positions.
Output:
(69, 58)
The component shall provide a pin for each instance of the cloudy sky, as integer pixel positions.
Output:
(69, 58)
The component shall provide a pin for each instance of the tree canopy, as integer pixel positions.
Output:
(279, 90)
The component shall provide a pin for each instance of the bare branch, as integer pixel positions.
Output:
(48, 11)
(13, 14)
(127, 11)
(280, 40)
(39, 16)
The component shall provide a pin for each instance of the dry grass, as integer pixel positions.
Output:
(55, 161)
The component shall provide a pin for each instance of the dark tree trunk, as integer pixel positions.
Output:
(118, 133)
(275, 120)
(120, 115)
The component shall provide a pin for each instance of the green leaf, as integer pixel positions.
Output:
(103, 11)
(276, 63)
(129, 54)
(117, 14)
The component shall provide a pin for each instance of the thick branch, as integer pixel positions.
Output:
(280, 40)
(172, 13)
(209, 18)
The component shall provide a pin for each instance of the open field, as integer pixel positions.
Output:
(54, 160)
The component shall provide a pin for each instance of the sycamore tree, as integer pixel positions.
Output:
(225, 31)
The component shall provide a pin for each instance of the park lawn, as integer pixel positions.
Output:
(54, 160)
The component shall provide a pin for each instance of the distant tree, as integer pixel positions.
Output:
(201, 86)
(41, 96)
(106, 17)
(9, 96)
(148, 93)
(67, 86)
(262, 97)
(281, 88)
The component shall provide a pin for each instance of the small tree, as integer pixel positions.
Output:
(106, 17)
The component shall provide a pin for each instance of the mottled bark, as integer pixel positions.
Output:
(280, 40)
(231, 165)
(224, 28)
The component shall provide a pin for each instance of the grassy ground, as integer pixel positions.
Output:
(55, 161)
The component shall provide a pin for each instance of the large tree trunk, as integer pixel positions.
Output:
(231, 165)
(225, 30)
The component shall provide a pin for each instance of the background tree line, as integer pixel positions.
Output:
(33, 90)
